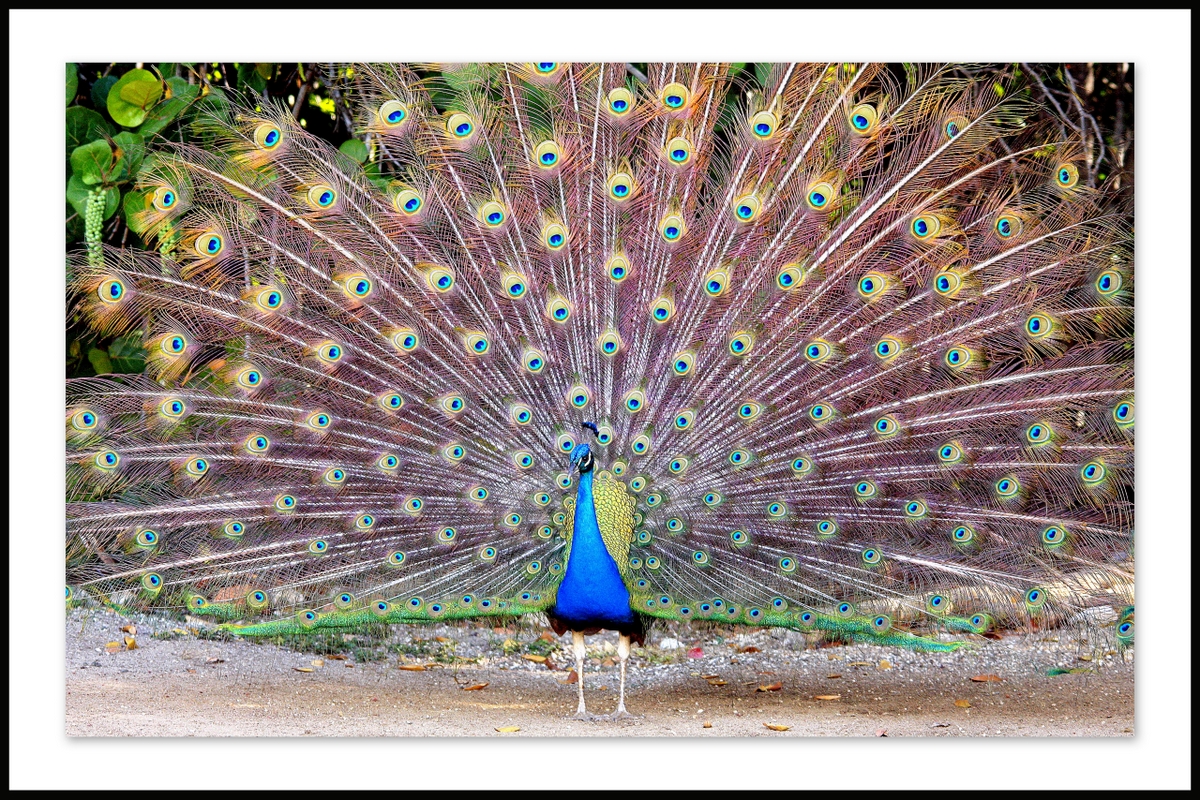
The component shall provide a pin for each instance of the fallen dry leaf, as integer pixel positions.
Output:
(475, 687)
(1085, 657)
(719, 682)
(608, 662)
(130, 643)
(304, 669)
(336, 658)
(534, 659)
(214, 660)
(828, 697)
(986, 678)
(112, 647)
(709, 677)
(572, 677)
(130, 629)
(412, 667)
(833, 676)
(771, 727)
(751, 649)
(707, 725)
(508, 729)
(349, 665)
(180, 631)
(963, 703)
(318, 663)
(834, 657)
(547, 636)
(859, 664)
(884, 664)
(441, 639)
(774, 687)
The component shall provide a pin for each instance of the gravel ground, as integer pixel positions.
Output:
(177, 681)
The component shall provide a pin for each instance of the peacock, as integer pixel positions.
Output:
(840, 348)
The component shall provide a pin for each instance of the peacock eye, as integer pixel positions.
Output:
(741, 344)
(789, 277)
(871, 285)
(110, 291)
(620, 101)
(679, 151)
(962, 534)
(863, 118)
(164, 198)
(618, 268)
(749, 410)
(267, 136)
(926, 226)
(392, 113)
(672, 228)
(763, 125)
(819, 196)
(746, 208)
(950, 453)
(817, 352)
(886, 426)
(947, 284)
(1067, 176)
(674, 96)
(827, 528)
(1109, 282)
(407, 202)
(209, 244)
(957, 357)
(554, 236)
(321, 196)
(547, 154)
(460, 126)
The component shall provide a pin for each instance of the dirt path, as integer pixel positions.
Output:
(190, 686)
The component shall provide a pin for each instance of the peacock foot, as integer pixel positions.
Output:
(585, 716)
(621, 714)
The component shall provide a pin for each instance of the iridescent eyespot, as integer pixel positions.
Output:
(454, 453)
(641, 445)
(820, 196)
(618, 268)
(330, 352)
(344, 600)
(777, 509)
(820, 412)
(1125, 632)
(256, 599)
(678, 466)
(938, 604)
(739, 457)
(789, 277)
(746, 208)
(446, 535)
(152, 582)
(1109, 282)
(604, 435)
(1038, 326)
(682, 363)
(566, 443)
(1035, 597)
(963, 534)
(453, 403)
(787, 564)
(197, 467)
(523, 459)
(173, 345)
(460, 126)
(558, 309)
(620, 186)
(749, 410)
(307, 618)
(926, 226)
(954, 126)
(1054, 536)
(807, 619)
(700, 558)
(679, 151)
(845, 610)
(440, 279)
(86, 420)
(1039, 433)
(827, 528)
(477, 344)
(634, 400)
(110, 291)
(209, 244)
(233, 529)
(817, 351)
(318, 420)
(534, 360)
(1123, 414)
(520, 413)
(863, 118)
(871, 285)
(106, 460)
(915, 509)
(950, 453)
(267, 136)
(388, 462)
(865, 489)
(653, 563)
(364, 522)
(885, 426)
(413, 505)
(542, 499)
(763, 124)
(285, 502)
(1008, 487)
(1066, 176)
(716, 282)
(674, 96)
(554, 236)
(321, 196)
(712, 499)
(492, 214)
(269, 299)
(533, 567)
(545, 532)
(318, 546)
(947, 284)
(1008, 226)
(739, 538)
(674, 525)
(545, 67)
(802, 466)
(887, 348)
(957, 357)
(391, 401)
(197, 602)
(547, 154)
(620, 101)
(396, 558)
(164, 198)
(392, 113)
(881, 623)
(407, 202)
(653, 500)
(146, 539)
(334, 476)
(257, 443)
(672, 227)
(741, 344)
(684, 420)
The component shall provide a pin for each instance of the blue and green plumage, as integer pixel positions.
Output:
(851, 339)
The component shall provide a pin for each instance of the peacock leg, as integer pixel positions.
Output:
(623, 645)
(577, 645)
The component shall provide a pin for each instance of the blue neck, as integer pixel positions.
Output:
(591, 590)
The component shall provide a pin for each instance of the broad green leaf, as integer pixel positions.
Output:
(355, 149)
(100, 361)
(127, 354)
(133, 150)
(72, 82)
(100, 90)
(131, 97)
(248, 75)
(92, 162)
(736, 69)
(183, 95)
(77, 196)
(83, 126)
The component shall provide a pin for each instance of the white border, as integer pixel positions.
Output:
(1159, 42)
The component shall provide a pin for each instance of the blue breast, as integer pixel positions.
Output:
(591, 590)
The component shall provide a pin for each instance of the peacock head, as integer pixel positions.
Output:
(582, 457)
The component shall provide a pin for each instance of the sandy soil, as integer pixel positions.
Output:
(175, 683)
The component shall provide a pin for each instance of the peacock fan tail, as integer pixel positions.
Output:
(847, 351)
